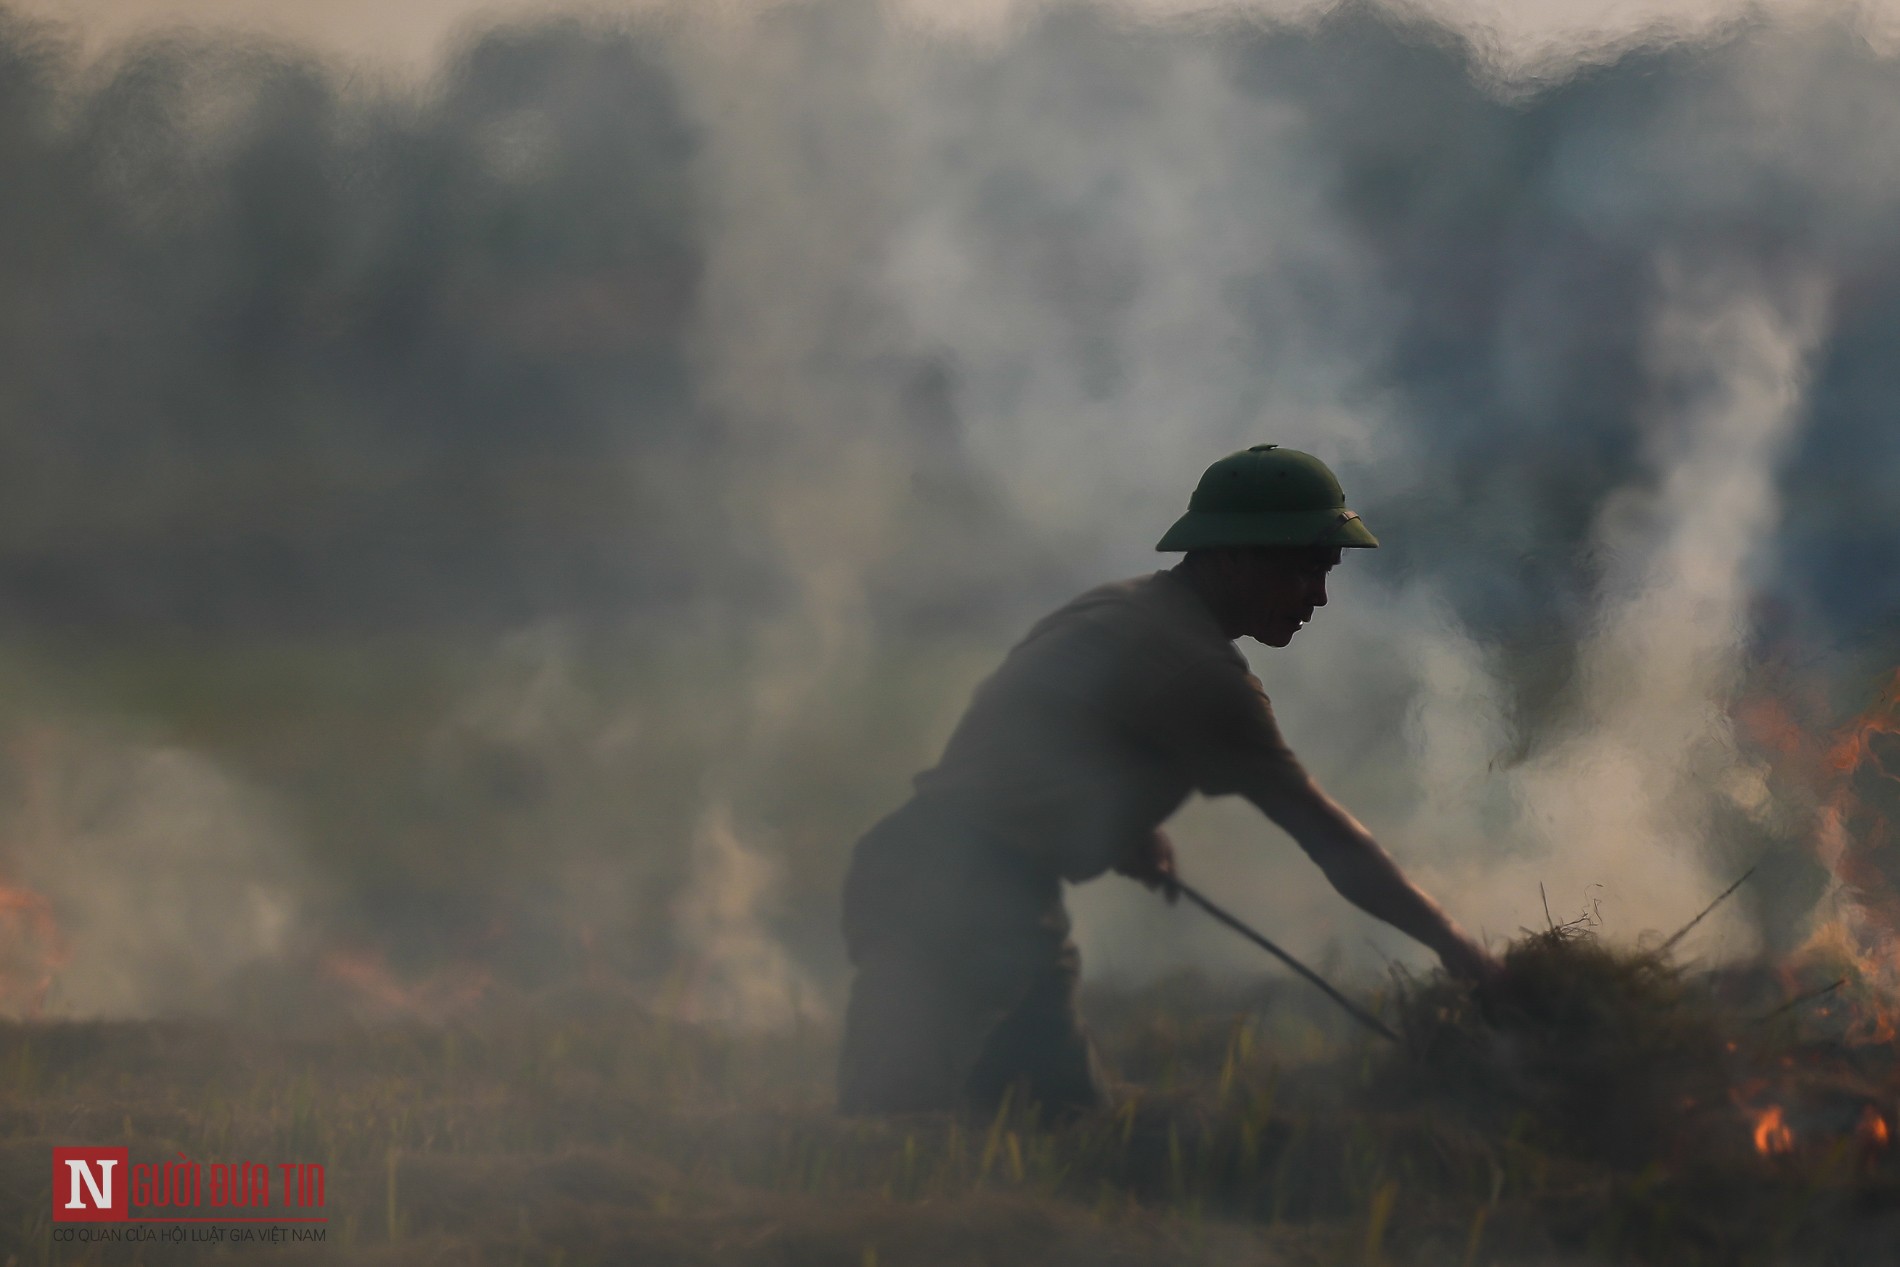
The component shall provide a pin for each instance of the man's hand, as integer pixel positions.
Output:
(1152, 863)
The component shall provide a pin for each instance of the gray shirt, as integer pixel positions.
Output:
(1101, 721)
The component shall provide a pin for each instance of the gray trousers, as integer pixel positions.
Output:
(966, 976)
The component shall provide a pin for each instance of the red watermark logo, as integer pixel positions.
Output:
(91, 1185)
(103, 1185)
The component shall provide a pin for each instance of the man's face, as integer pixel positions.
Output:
(1280, 588)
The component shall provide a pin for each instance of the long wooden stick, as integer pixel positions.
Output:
(1358, 1013)
(1720, 898)
(1799, 999)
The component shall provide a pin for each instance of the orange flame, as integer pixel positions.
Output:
(434, 998)
(1850, 839)
(1773, 1137)
(32, 949)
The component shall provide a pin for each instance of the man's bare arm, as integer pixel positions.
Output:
(1365, 875)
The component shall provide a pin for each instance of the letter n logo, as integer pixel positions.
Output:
(89, 1185)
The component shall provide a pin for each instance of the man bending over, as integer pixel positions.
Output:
(1072, 754)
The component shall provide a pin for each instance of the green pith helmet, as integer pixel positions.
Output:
(1267, 496)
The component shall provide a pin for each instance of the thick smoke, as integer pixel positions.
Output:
(161, 876)
(773, 370)
(1620, 797)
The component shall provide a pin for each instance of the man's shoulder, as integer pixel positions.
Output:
(1155, 618)
(1154, 596)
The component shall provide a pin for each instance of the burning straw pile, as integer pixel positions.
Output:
(1595, 1099)
(1735, 1115)
(1581, 1047)
(1622, 1058)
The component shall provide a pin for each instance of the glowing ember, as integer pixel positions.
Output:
(1872, 1128)
(1772, 1135)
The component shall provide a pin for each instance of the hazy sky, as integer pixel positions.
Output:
(407, 32)
(1522, 36)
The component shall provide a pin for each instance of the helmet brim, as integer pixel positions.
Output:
(1209, 530)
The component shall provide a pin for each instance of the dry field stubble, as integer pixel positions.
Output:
(1597, 1113)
